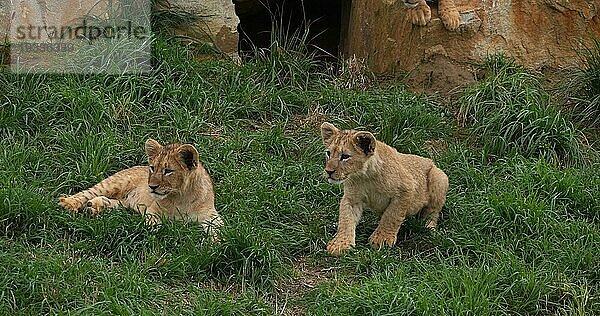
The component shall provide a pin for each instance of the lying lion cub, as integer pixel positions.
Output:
(376, 176)
(175, 185)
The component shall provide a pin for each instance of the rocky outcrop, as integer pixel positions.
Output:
(537, 33)
(4, 20)
(4, 27)
(217, 23)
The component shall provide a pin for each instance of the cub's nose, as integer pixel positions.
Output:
(330, 172)
(153, 187)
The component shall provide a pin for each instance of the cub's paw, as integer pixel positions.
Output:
(95, 206)
(450, 17)
(338, 245)
(432, 224)
(70, 204)
(420, 15)
(212, 230)
(152, 219)
(379, 240)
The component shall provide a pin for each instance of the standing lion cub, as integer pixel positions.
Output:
(376, 176)
(175, 185)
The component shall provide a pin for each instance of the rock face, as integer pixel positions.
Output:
(218, 23)
(4, 20)
(537, 33)
(40, 21)
(52, 14)
(4, 27)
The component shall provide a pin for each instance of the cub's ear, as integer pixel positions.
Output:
(152, 148)
(365, 141)
(188, 156)
(328, 131)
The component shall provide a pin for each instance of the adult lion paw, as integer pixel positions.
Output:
(450, 17)
(420, 15)
(338, 245)
(378, 239)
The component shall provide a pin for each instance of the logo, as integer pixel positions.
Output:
(80, 36)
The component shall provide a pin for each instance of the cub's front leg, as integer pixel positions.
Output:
(449, 14)
(345, 238)
(151, 211)
(418, 12)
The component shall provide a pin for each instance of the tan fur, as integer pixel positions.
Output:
(175, 185)
(376, 176)
(420, 13)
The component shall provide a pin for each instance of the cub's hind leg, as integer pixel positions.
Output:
(392, 218)
(76, 202)
(96, 205)
(113, 187)
(437, 186)
(70, 203)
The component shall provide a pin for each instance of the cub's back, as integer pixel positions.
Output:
(122, 183)
(412, 163)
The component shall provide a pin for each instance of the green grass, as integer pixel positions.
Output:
(509, 112)
(581, 86)
(519, 234)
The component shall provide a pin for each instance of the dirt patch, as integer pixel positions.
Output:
(440, 75)
(307, 278)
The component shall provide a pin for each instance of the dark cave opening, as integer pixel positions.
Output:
(327, 22)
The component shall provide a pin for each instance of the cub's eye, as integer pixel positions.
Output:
(168, 172)
(151, 169)
(328, 153)
(344, 157)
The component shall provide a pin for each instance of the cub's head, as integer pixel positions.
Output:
(346, 151)
(170, 167)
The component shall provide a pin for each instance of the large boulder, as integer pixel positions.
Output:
(42, 17)
(537, 33)
(217, 23)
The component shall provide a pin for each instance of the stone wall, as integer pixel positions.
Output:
(537, 33)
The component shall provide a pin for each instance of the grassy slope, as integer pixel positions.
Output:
(518, 236)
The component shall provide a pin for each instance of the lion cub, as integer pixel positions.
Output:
(376, 176)
(175, 184)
